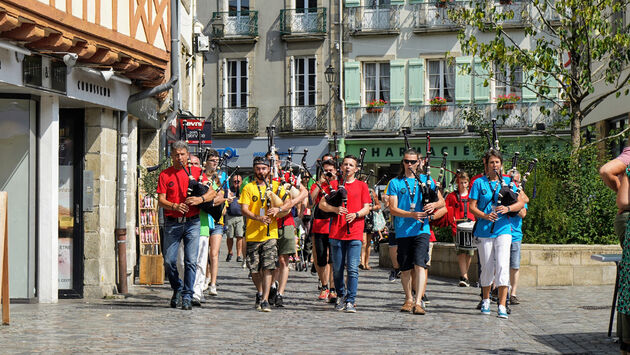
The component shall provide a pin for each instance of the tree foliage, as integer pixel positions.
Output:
(577, 48)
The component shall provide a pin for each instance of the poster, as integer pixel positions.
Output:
(65, 263)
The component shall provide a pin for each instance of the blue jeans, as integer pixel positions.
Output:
(173, 233)
(342, 252)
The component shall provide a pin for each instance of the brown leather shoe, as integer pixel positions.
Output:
(417, 309)
(407, 307)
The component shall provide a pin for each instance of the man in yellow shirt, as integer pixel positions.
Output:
(261, 231)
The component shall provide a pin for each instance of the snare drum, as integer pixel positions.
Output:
(465, 239)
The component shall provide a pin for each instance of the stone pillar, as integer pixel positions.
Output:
(101, 159)
(48, 201)
(132, 197)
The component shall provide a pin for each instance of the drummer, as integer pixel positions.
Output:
(493, 230)
(459, 211)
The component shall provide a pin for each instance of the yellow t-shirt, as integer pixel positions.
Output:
(256, 231)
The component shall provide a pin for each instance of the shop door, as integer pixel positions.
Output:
(70, 203)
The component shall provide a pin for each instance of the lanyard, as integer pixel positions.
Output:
(412, 195)
(260, 193)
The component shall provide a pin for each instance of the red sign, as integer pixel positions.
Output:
(193, 129)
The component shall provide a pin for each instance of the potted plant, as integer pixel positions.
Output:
(507, 102)
(438, 104)
(441, 3)
(376, 106)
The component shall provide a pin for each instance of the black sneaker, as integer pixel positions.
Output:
(507, 309)
(176, 300)
(186, 305)
(258, 298)
(398, 273)
(195, 302)
(313, 269)
(480, 304)
(239, 259)
(514, 300)
(463, 282)
(264, 306)
(392, 276)
(279, 302)
(228, 257)
(425, 299)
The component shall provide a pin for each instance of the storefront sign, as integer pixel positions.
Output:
(393, 150)
(193, 129)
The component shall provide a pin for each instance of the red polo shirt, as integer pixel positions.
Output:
(174, 183)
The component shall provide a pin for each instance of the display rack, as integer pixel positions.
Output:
(151, 259)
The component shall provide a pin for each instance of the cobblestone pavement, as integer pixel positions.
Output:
(549, 320)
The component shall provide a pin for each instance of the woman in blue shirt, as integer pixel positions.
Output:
(493, 230)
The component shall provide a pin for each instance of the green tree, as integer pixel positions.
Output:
(577, 48)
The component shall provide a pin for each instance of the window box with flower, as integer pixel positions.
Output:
(438, 104)
(376, 106)
(507, 102)
(443, 3)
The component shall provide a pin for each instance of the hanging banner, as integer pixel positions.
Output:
(191, 129)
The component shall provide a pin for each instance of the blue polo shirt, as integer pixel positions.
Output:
(517, 227)
(409, 227)
(482, 191)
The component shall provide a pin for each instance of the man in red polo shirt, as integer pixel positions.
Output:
(181, 222)
(346, 233)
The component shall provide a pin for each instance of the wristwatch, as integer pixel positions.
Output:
(357, 215)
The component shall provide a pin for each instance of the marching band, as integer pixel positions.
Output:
(485, 214)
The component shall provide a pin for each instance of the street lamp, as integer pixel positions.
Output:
(331, 76)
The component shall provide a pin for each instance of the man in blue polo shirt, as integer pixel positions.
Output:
(412, 228)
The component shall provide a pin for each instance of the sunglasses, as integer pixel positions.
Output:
(410, 161)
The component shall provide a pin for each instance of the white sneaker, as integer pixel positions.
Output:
(244, 265)
(206, 284)
(213, 290)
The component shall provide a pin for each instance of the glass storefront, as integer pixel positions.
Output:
(17, 176)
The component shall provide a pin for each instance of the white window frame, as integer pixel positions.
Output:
(295, 91)
(443, 64)
(377, 79)
(239, 90)
(510, 87)
(239, 5)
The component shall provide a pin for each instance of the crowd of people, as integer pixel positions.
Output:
(339, 216)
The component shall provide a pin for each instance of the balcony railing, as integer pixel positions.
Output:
(237, 120)
(235, 24)
(305, 119)
(519, 10)
(303, 21)
(433, 16)
(376, 19)
(522, 116)
(370, 119)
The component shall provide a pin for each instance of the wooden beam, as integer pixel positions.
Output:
(27, 32)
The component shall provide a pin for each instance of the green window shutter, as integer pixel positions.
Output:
(352, 83)
(553, 86)
(416, 81)
(352, 3)
(482, 93)
(397, 2)
(463, 81)
(529, 95)
(397, 82)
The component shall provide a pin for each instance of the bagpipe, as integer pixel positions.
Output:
(428, 195)
(197, 188)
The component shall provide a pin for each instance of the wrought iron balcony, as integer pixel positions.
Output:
(237, 120)
(304, 119)
(368, 20)
(522, 116)
(375, 119)
(433, 16)
(303, 23)
(516, 9)
(235, 26)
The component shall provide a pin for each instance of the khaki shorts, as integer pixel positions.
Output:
(234, 226)
(286, 240)
(262, 255)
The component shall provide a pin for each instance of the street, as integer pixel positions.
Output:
(549, 320)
